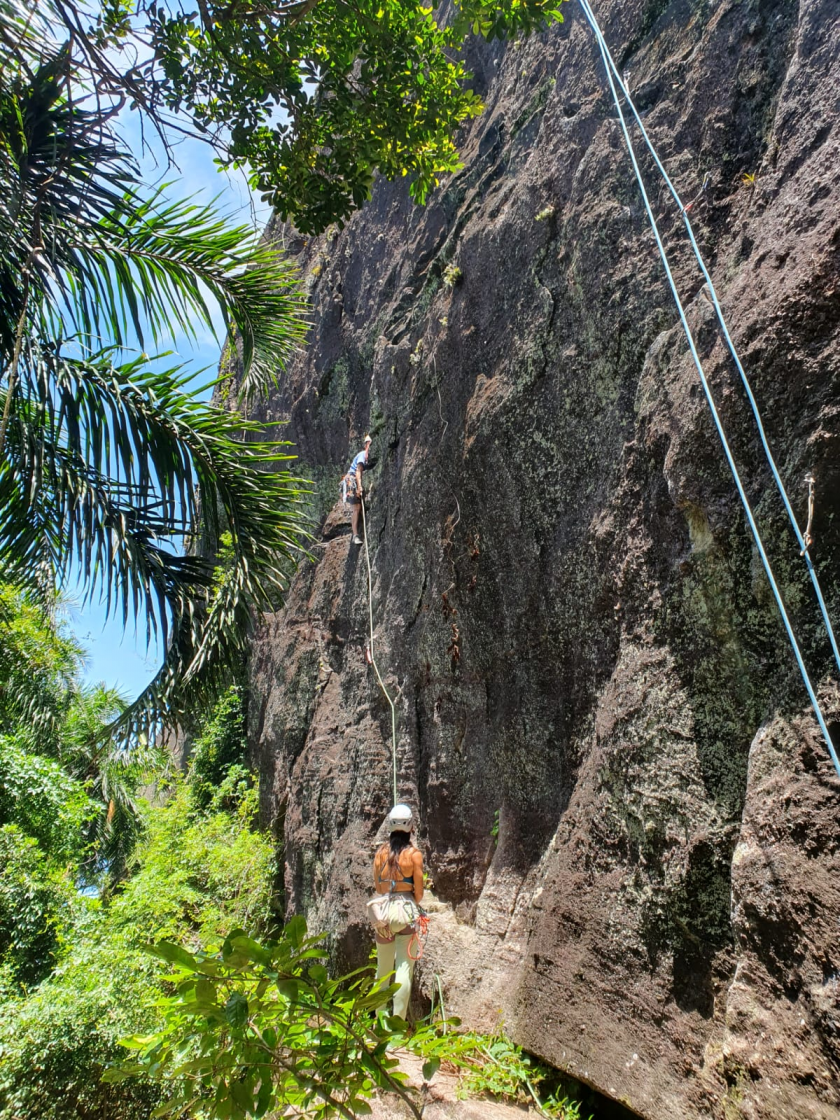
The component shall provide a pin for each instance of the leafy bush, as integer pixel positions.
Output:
(49, 805)
(55, 1044)
(36, 902)
(195, 877)
(258, 1027)
(492, 1064)
(219, 752)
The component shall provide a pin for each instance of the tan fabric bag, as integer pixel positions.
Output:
(389, 913)
(378, 909)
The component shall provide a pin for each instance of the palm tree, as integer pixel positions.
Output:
(108, 463)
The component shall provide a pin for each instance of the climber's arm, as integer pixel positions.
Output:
(417, 864)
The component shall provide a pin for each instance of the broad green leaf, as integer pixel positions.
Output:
(173, 954)
(236, 1009)
(430, 1068)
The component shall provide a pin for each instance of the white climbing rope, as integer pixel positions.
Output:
(609, 66)
(385, 692)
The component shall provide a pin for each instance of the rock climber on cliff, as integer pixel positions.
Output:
(397, 875)
(353, 490)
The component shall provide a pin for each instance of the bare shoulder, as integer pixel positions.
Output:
(417, 857)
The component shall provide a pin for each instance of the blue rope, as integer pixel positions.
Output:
(707, 390)
(780, 486)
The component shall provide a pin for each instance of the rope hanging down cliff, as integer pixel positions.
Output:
(385, 692)
(805, 540)
(614, 77)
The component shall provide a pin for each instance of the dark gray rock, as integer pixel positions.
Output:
(628, 814)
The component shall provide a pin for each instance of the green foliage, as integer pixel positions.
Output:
(195, 878)
(36, 900)
(107, 461)
(45, 802)
(259, 1026)
(493, 1065)
(63, 780)
(198, 874)
(217, 762)
(39, 662)
(376, 86)
(452, 276)
(315, 97)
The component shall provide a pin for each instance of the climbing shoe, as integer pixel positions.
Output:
(357, 540)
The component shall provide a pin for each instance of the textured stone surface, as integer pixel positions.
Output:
(628, 814)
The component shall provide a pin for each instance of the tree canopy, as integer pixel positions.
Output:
(313, 97)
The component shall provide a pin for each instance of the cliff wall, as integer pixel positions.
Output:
(629, 816)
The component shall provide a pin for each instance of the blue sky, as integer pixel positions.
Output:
(116, 657)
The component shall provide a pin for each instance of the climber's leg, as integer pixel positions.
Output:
(405, 973)
(355, 518)
(385, 954)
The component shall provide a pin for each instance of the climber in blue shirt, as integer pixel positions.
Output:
(353, 490)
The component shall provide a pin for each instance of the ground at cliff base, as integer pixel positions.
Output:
(438, 1098)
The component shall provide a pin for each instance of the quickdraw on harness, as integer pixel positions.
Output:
(418, 938)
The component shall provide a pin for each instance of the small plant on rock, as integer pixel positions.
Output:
(546, 214)
(452, 276)
(493, 1065)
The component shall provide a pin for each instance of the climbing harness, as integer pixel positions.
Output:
(392, 911)
(613, 77)
(369, 654)
(350, 487)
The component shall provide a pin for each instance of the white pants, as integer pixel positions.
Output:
(393, 957)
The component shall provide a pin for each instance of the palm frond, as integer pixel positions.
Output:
(112, 466)
(74, 228)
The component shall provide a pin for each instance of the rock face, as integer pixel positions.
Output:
(627, 810)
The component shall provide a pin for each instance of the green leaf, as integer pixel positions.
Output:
(172, 954)
(295, 931)
(205, 991)
(290, 989)
(249, 949)
(236, 1010)
(430, 1068)
(318, 974)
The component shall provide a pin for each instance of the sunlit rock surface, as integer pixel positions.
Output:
(628, 814)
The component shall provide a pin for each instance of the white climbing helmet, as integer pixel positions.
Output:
(368, 440)
(399, 819)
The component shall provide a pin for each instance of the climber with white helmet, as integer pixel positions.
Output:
(352, 488)
(397, 875)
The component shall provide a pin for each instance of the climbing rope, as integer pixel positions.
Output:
(805, 541)
(611, 70)
(385, 692)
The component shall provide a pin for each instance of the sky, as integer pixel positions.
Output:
(116, 657)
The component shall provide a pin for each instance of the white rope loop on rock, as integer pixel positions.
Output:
(385, 692)
(609, 67)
